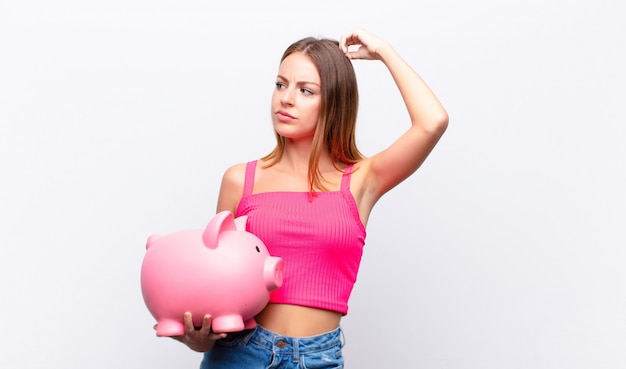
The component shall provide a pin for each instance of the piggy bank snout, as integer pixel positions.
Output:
(273, 273)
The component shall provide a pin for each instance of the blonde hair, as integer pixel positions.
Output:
(336, 128)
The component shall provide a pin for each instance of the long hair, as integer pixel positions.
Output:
(336, 128)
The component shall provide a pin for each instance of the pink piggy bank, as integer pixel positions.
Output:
(221, 270)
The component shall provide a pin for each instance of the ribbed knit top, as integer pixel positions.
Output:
(320, 241)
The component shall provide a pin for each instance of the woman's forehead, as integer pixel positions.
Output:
(299, 67)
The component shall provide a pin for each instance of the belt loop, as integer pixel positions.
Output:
(296, 350)
(342, 338)
(248, 336)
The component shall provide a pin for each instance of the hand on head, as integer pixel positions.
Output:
(367, 45)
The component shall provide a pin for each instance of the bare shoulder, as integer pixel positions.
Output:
(235, 175)
(231, 188)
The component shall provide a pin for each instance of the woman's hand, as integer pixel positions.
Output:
(202, 339)
(367, 45)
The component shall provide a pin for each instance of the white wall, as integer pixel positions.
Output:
(506, 250)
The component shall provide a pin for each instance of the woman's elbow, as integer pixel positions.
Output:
(438, 124)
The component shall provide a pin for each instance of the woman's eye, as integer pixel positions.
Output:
(306, 91)
(279, 85)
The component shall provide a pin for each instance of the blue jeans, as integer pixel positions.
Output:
(262, 349)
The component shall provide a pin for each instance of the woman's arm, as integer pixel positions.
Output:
(429, 119)
(231, 188)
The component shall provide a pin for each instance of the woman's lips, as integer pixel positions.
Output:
(283, 116)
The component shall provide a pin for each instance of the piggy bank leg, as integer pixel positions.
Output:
(227, 323)
(170, 327)
(250, 323)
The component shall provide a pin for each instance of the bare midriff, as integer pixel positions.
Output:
(297, 321)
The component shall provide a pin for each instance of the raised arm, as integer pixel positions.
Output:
(429, 119)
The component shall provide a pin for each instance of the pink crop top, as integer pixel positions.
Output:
(320, 240)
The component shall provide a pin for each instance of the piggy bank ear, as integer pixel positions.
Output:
(240, 222)
(221, 222)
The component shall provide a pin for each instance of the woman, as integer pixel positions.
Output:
(309, 200)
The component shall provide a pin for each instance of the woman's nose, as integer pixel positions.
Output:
(287, 97)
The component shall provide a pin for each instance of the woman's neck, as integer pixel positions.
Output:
(296, 160)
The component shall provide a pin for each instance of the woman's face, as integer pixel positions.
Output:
(297, 98)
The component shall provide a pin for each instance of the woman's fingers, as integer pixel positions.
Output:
(206, 325)
(359, 44)
(188, 322)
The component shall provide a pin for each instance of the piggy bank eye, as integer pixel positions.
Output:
(257, 249)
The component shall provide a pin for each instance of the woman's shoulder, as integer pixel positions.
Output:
(235, 175)
(232, 186)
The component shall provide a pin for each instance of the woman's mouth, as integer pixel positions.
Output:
(283, 116)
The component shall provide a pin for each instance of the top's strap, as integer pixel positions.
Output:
(248, 184)
(345, 178)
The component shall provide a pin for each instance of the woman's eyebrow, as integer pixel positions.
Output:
(300, 82)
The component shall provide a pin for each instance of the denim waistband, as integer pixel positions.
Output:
(302, 345)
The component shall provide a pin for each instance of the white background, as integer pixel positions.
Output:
(505, 250)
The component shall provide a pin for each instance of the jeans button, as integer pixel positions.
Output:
(281, 344)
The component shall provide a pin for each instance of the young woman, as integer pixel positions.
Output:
(310, 198)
